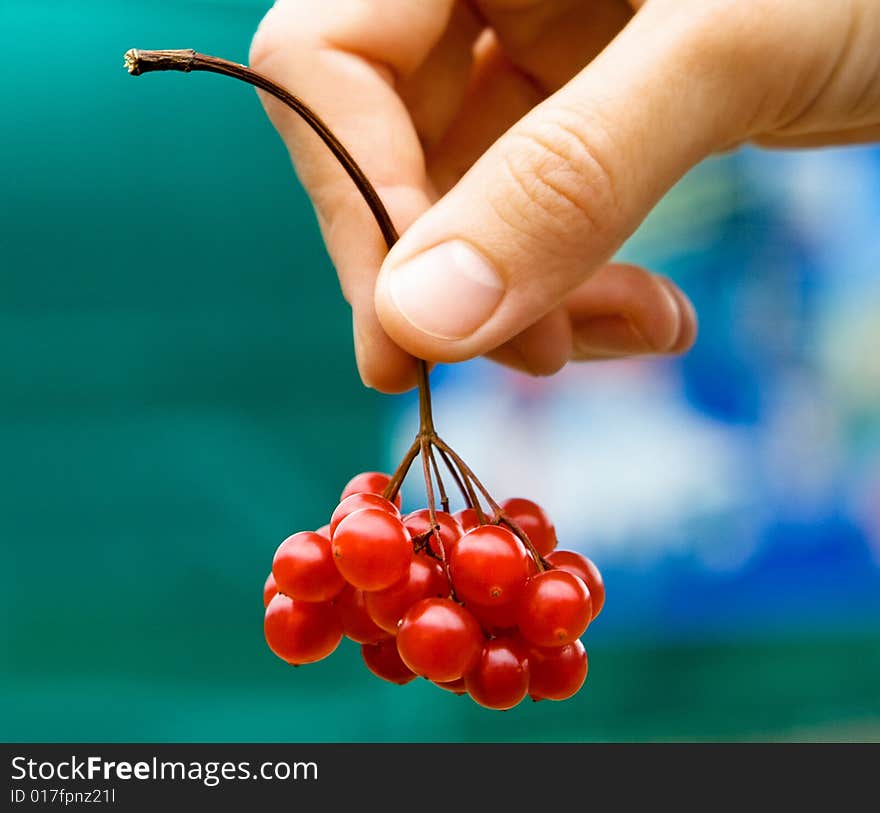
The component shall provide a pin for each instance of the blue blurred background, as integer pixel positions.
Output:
(179, 393)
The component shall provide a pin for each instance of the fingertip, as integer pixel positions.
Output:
(624, 310)
(435, 301)
(688, 319)
(382, 365)
(546, 346)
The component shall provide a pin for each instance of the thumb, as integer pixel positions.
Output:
(555, 197)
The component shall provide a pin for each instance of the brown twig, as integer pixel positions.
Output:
(138, 62)
(444, 500)
(455, 476)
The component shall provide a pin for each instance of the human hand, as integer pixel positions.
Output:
(520, 142)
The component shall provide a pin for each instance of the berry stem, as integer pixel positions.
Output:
(466, 496)
(425, 443)
(426, 416)
(467, 477)
(444, 500)
(499, 517)
(188, 61)
(398, 477)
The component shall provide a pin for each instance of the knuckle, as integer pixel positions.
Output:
(636, 278)
(561, 174)
(724, 45)
(744, 53)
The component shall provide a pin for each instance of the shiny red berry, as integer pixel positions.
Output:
(301, 631)
(489, 565)
(269, 589)
(372, 549)
(356, 502)
(454, 686)
(356, 621)
(368, 482)
(467, 518)
(554, 608)
(418, 522)
(304, 569)
(383, 660)
(500, 679)
(439, 639)
(584, 569)
(557, 673)
(495, 619)
(425, 579)
(532, 519)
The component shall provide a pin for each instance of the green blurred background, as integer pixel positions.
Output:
(179, 393)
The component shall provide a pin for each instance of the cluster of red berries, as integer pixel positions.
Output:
(486, 608)
(482, 616)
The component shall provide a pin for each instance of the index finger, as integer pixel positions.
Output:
(342, 60)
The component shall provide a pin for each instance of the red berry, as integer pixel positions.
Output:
(489, 565)
(418, 522)
(424, 580)
(324, 531)
(585, 570)
(356, 621)
(269, 590)
(557, 673)
(454, 686)
(494, 619)
(532, 519)
(467, 518)
(355, 503)
(383, 660)
(501, 677)
(304, 569)
(372, 549)
(439, 639)
(368, 482)
(301, 631)
(554, 609)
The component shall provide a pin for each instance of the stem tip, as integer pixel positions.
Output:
(131, 61)
(138, 62)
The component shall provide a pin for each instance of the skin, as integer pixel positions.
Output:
(541, 133)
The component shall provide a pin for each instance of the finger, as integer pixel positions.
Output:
(529, 52)
(343, 59)
(549, 41)
(688, 326)
(555, 197)
(382, 363)
(855, 135)
(434, 92)
(622, 310)
(498, 95)
(625, 310)
(541, 349)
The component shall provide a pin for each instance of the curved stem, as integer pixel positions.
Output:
(425, 442)
(398, 477)
(138, 62)
(187, 61)
(455, 476)
(464, 471)
(468, 474)
(499, 516)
